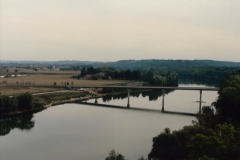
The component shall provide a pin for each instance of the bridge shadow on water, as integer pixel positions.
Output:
(134, 108)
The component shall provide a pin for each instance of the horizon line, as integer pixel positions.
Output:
(116, 60)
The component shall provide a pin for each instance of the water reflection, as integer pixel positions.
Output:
(199, 81)
(152, 95)
(72, 131)
(22, 122)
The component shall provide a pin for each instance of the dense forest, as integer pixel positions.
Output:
(149, 77)
(205, 69)
(186, 68)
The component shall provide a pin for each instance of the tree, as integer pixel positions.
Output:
(83, 72)
(173, 145)
(147, 76)
(207, 117)
(136, 75)
(221, 144)
(228, 102)
(25, 101)
(114, 156)
(172, 79)
(214, 137)
(8, 104)
(90, 70)
(142, 158)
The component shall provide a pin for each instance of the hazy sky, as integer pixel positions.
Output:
(110, 30)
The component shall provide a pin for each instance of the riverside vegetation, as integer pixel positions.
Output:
(20, 103)
(214, 136)
(27, 102)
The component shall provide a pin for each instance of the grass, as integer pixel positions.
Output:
(53, 97)
(47, 80)
(15, 90)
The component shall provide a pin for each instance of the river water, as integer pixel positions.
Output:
(77, 131)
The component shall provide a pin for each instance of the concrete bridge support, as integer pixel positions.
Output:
(96, 102)
(200, 102)
(163, 100)
(128, 105)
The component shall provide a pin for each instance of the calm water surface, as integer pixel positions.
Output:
(75, 131)
(178, 100)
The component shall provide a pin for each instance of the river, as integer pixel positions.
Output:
(76, 131)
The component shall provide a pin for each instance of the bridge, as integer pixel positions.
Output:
(163, 89)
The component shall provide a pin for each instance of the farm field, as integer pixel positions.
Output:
(15, 85)
(32, 71)
(42, 79)
(47, 80)
(15, 90)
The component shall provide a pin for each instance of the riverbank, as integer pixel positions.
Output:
(60, 97)
(88, 94)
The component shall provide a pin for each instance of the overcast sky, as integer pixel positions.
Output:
(111, 30)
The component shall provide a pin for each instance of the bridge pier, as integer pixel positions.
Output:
(200, 102)
(96, 90)
(128, 105)
(96, 102)
(163, 100)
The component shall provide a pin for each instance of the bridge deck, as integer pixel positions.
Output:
(147, 87)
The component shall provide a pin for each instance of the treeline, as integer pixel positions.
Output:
(205, 69)
(188, 68)
(110, 72)
(118, 156)
(202, 72)
(169, 64)
(23, 102)
(205, 72)
(170, 79)
(74, 67)
(214, 136)
(166, 79)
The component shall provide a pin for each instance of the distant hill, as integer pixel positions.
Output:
(170, 64)
(135, 64)
(53, 63)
